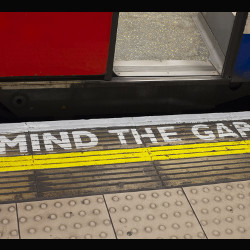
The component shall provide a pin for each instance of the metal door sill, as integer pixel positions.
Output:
(164, 68)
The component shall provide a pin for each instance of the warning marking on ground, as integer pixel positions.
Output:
(43, 149)
(104, 157)
(45, 160)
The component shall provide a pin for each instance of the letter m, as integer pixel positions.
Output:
(20, 141)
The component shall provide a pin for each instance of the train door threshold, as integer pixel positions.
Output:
(178, 176)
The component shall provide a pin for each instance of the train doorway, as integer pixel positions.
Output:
(172, 43)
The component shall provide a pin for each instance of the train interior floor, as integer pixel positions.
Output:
(159, 36)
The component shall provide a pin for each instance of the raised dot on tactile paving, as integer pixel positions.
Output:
(43, 206)
(5, 221)
(58, 204)
(106, 222)
(123, 220)
(92, 223)
(229, 209)
(229, 197)
(204, 211)
(11, 209)
(47, 229)
(164, 216)
(229, 219)
(189, 224)
(241, 229)
(142, 196)
(166, 204)
(205, 190)
(86, 202)
(241, 196)
(228, 231)
(217, 188)
(88, 236)
(187, 236)
(119, 232)
(23, 219)
(82, 213)
(229, 187)
(205, 200)
(62, 227)
(193, 201)
(241, 206)
(174, 237)
(153, 205)
(126, 209)
(150, 217)
(52, 216)
(204, 222)
(72, 203)
(14, 233)
(38, 218)
(129, 197)
(32, 230)
(134, 231)
(217, 198)
(179, 192)
(162, 227)
(68, 214)
(155, 195)
(77, 225)
(241, 217)
(137, 218)
(28, 207)
(139, 207)
(216, 233)
(167, 193)
(103, 235)
(115, 198)
(96, 211)
(177, 214)
(112, 210)
(178, 203)
(217, 221)
(217, 210)
(190, 212)
(194, 191)
(201, 235)
(175, 226)
(148, 229)
(100, 200)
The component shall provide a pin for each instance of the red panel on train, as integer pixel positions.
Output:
(54, 43)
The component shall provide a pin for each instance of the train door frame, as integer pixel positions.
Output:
(230, 56)
(50, 98)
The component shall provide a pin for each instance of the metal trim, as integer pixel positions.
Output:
(109, 71)
(234, 44)
(216, 55)
(119, 81)
(164, 68)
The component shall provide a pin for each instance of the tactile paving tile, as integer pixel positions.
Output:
(8, 222)
(153, 214)
(222, 209)
(74, 218)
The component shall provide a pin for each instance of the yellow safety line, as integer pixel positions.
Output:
(103, 157)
